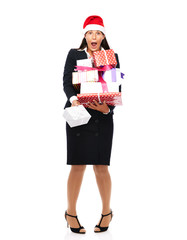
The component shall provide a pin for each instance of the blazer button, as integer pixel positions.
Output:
(78, 134)
(96, 134)
(96, 121)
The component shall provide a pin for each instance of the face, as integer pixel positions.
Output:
(94, 39)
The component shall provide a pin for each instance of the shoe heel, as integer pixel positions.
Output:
(66, 219)
(75, 230)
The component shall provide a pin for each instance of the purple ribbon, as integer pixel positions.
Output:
(122, 75)
(113, 72)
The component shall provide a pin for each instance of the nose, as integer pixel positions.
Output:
(94, 36)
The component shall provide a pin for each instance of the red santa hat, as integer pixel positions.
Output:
(93, 23)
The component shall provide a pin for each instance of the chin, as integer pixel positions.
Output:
(94, 50)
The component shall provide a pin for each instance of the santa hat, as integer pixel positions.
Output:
(93, 23)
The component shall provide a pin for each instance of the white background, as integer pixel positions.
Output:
(148, 165)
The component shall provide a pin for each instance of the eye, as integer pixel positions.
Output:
(98, 33)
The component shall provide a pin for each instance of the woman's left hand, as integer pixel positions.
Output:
(99, 107)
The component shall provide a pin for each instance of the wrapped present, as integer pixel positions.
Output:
(76, 116)
(84, 62)
(104, 58)
(98, 87)
(113, 75)
(111, 98)
(84, 76)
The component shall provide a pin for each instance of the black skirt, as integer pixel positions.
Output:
(90, 144)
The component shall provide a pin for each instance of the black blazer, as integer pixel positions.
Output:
(70, 64)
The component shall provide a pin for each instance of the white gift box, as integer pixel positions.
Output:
(113, 75)
(76, 116)
(84, 62)
(96, 87)
(87, 76)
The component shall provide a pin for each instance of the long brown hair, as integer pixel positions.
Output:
(104, 44)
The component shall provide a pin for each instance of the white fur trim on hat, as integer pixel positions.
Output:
(94, 27)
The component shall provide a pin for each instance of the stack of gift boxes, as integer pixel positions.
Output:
(101, 82)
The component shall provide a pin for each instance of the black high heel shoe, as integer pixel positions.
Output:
(103, 229)
(75, 230)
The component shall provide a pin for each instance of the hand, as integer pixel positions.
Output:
(99, 107)
(75, 103)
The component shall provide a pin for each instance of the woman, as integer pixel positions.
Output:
(88, 144)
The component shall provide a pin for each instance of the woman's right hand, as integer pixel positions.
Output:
(75, 103)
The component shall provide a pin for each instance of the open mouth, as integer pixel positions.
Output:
(94, 44)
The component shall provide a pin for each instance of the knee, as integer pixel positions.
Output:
(100, 170)
(78, 168)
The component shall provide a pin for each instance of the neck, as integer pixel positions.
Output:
(90, 52)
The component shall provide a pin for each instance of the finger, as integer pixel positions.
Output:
(90, 105)
(104, 102)
(96, 103)
(94, 108)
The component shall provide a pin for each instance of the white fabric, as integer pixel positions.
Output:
(72, 99)
(96, 27)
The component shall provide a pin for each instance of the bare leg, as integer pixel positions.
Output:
(73, 189)
(104, 184)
